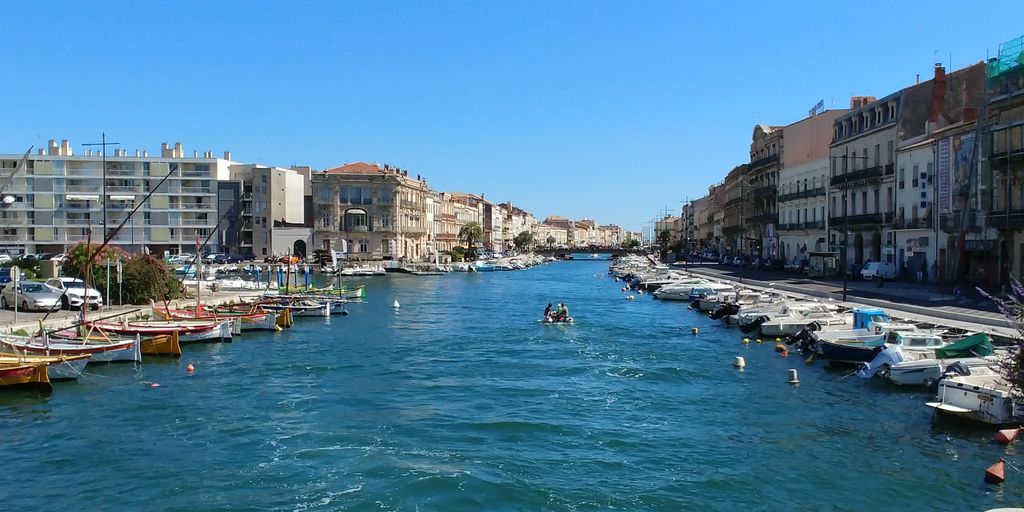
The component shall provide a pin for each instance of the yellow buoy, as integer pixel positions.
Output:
(758, 340)
(695, 331)
(746, 341)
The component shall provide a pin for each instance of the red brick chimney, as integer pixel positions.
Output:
(938, 94)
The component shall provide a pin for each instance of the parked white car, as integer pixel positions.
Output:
(76, 295)
(5, 258)
(876, 269)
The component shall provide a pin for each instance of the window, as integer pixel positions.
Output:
(864, 202)
(363, 245)
(864, 157)
(914, 177)
(385, 196)
(853, 206)
(833, 206)
(928, 176)
(889, 154)
(877, 209)
(264, 251)
(263, 179)
(892, 110)
(856, 125)
(888, 197)
(878, 153)
(901, 178)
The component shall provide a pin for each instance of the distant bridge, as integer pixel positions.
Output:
(586, 253)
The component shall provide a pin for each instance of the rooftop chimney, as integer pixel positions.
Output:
(227, 155)
(54, 149)
(145, 153)
(65, 148)
(938, 94)
(195, 153)
(138, 153)
(42, 151)
(179, 152)
(165, 151)
(917, 78)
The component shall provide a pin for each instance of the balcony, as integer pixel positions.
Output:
(767, 190)
(871, 173)
(415, 230)
(764, 218)
(735, 200)
(195, 206)
(356, 228)
(1001, 219)
(123, 190)
(405, 203)
(866, 220)
(799, 226)
(197, 190)
(915, 223)
(803, 194)
(761, 162)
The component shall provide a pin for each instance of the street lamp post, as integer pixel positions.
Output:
(846, 242)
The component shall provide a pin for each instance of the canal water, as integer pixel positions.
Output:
(461, 400)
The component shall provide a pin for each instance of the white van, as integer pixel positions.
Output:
(878, 269)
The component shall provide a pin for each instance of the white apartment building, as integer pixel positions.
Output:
(265, 211)
(801, 200)
(53, 203)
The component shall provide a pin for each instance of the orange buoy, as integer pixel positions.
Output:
(190, 368)
(1007, 436)
(996, 473)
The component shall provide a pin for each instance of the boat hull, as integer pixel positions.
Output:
(33, 375)
(163, 345)
(846, 353)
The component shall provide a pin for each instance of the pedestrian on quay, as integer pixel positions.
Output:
(934, 274)
(921, 270)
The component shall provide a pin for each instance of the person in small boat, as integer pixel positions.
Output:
(547, 312)
(565, 313)
(561, 314)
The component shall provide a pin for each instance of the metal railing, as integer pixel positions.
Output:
(862, 220)
(761, 162)
(803, 194)
(863, 174)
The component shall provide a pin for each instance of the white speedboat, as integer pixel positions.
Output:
(915, 362)
(714, 301)
(985, 398)
(792, 318)
(679, 290)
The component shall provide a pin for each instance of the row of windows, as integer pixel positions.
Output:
(849, 203)
(863, 121)
(917, 178)
(787, 217)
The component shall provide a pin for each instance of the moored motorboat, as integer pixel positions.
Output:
(986, 398)
(794, 317)
(906, 364)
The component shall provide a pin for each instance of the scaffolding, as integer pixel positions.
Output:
(1006, 70)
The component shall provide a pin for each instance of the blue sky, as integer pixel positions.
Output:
(607, 110)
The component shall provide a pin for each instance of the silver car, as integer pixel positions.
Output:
(30, 295)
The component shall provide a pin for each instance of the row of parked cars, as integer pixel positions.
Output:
(43, 256)
(52, 294)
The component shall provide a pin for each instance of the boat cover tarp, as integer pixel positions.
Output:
(974, 345)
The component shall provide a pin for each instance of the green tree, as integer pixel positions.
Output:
(631, 244)
(1012, 366)
(523, 241)
(663, 238)
(145, 278)
(74, 265)
(471, 233)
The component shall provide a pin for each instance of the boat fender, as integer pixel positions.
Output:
(190, 368)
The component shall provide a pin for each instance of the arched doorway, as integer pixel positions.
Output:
(299, 249)
(858, 249)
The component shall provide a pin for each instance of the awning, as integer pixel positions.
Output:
(355, 211)
(122, 198)
(78, 197)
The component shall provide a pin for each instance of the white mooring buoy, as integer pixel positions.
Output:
(396, 304)
(793, 378)
(740, 362)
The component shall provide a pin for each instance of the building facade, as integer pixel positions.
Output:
(766, 152)
(370, 211)
(54, 202)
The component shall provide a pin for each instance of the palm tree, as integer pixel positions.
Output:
(551, 241)
(471, 233)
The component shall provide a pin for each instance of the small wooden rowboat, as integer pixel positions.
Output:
(58, 368)
(14, 375)
(67, 343)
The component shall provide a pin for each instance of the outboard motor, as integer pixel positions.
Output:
(803, 340)
(695, 304)
(958, 368)
(814, 326)
(725, 310)
(754, 324)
